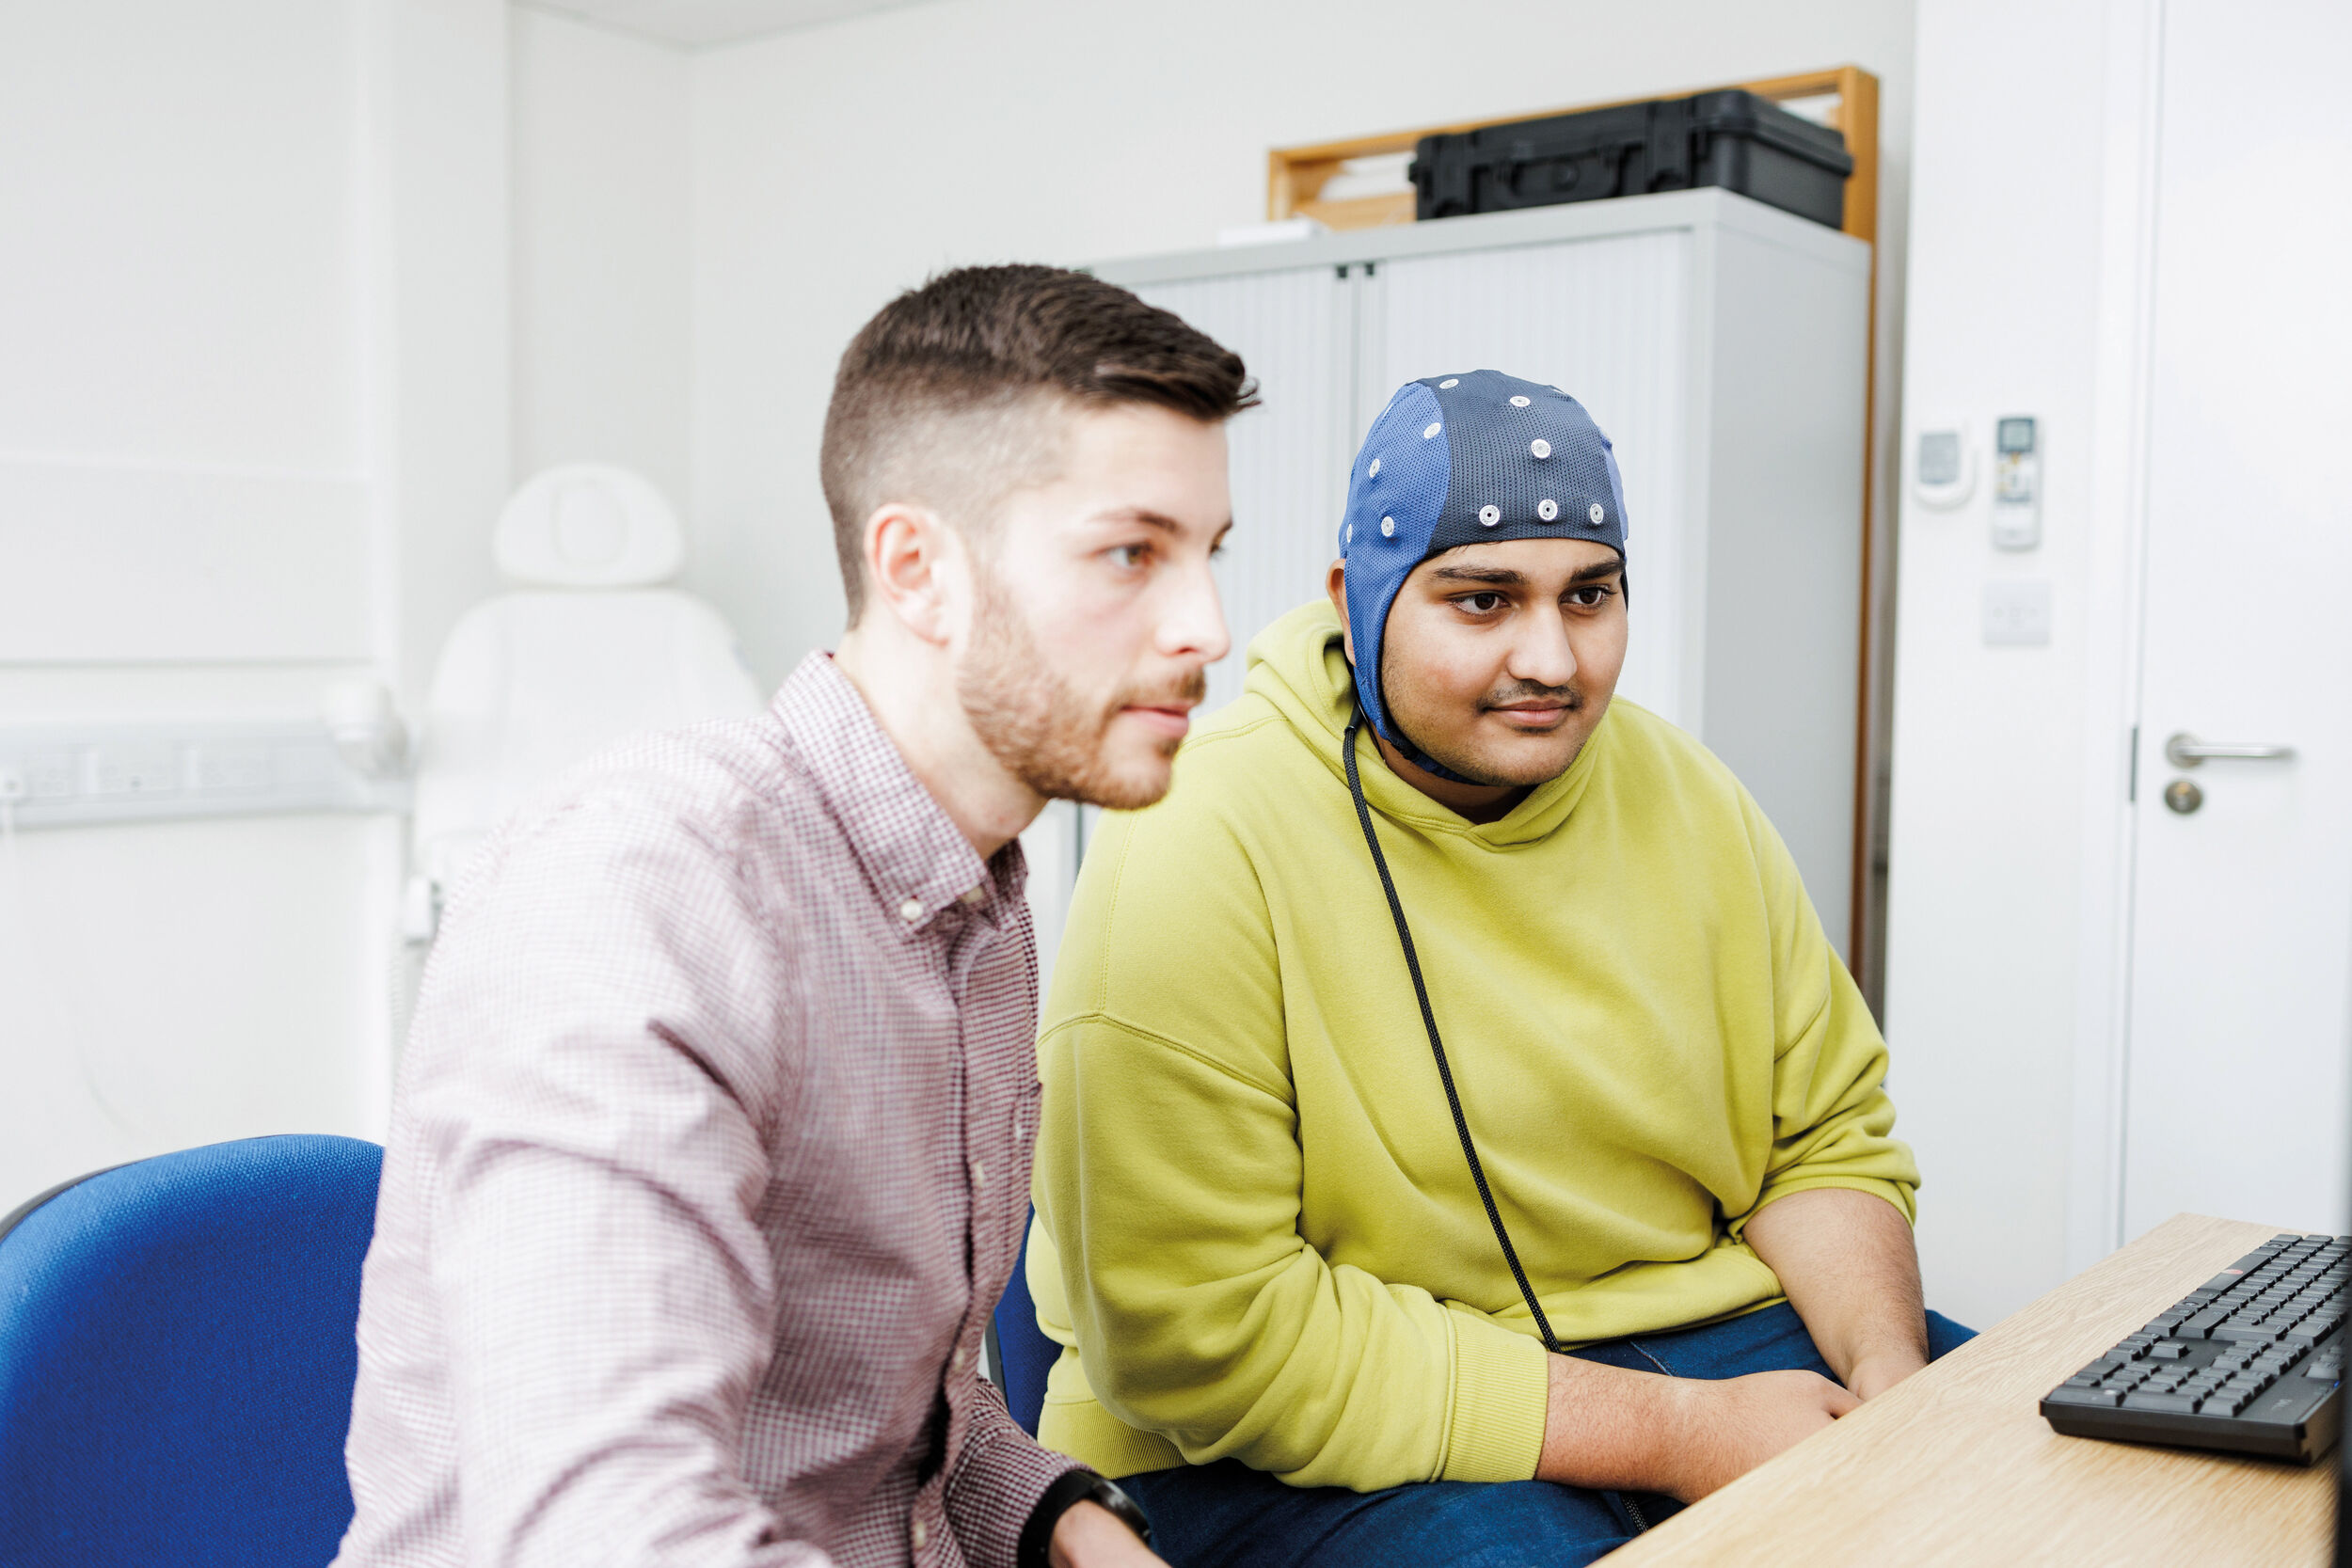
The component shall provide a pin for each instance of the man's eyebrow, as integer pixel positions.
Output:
(1505, 577)
(1500, 577)
(1143, 514)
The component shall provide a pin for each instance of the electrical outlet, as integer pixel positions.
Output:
(229, 767)
(134, 768)
(50, 775)
(2017, 612)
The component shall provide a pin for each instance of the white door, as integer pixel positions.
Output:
(2241, 969)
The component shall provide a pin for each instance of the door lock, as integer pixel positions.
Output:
(2184, 795)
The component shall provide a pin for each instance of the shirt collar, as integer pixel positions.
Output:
(917, 862)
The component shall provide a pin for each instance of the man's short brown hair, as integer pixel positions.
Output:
(945, 398)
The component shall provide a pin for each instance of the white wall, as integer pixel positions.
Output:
(252, 423)
(837, 166)
(2009, 762)
(602, 234)
(388, 255)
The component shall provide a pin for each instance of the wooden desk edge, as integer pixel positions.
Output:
(1869, 1488)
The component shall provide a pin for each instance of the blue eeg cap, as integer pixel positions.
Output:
(1463, 459)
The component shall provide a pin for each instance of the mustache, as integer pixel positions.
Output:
(1189, 690)
(1524, 692)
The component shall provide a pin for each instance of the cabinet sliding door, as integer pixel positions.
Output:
(1295, 331)
(1606, 321)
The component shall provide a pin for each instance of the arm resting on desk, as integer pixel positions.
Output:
(1613, 1428)
(1846, 1260)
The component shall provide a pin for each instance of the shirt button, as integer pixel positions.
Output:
(911, 910)
(960, 1357)
(972, 897)
(979, 1176)
(922, 1534)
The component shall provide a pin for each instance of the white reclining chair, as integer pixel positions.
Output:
(588, 650)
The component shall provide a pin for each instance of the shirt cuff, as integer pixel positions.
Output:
(1501, 1394)
(998, 1483)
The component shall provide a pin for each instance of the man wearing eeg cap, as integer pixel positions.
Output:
(1380, 1068)
(1509, 440)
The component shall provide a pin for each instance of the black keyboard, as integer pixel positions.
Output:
(2249, 1361)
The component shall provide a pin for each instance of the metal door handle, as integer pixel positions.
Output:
(2186, 751)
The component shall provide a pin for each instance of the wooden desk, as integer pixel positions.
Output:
(1956, 1464)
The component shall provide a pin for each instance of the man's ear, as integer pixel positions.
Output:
(1335, 584)
(914, 561)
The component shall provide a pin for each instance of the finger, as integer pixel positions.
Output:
(1841, 1399)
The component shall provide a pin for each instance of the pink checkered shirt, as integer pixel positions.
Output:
(709, 1160)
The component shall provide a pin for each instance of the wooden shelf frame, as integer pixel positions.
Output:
(1296, 177)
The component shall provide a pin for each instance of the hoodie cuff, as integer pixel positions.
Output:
(1501, 1393)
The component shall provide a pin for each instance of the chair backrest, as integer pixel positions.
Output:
(177, 1355)
(588, 650)
(1024, 1354)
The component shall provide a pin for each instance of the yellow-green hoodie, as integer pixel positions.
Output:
(1255, 1226)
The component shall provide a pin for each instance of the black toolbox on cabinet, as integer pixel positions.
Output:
(1733, 139)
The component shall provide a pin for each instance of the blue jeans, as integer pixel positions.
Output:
(1227, 1516)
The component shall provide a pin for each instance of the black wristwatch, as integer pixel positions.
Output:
(1077, 1486)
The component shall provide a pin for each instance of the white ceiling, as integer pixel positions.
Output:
(697, 23)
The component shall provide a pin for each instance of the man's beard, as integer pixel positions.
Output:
(1042, 731)
(1469, 769)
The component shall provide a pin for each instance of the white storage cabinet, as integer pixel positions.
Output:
(1720, 344)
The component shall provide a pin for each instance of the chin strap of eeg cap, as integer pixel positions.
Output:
(1436, 1046)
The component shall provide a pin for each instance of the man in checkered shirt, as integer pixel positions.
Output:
(712, 1149)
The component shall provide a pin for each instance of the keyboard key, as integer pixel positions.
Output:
(2097, 1398)
(2204, 1324)
(2176, 1404)
(2169, 1351)
(2246, 1334)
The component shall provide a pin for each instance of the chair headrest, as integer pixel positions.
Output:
(588, 525)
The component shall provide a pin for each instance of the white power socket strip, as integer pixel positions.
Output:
(77, 775)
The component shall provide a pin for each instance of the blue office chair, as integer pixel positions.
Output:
(1024, 1354)
(177, 1357)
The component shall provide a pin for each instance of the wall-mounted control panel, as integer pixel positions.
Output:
(2017, 483)
(1944, 467)
(62, 776)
